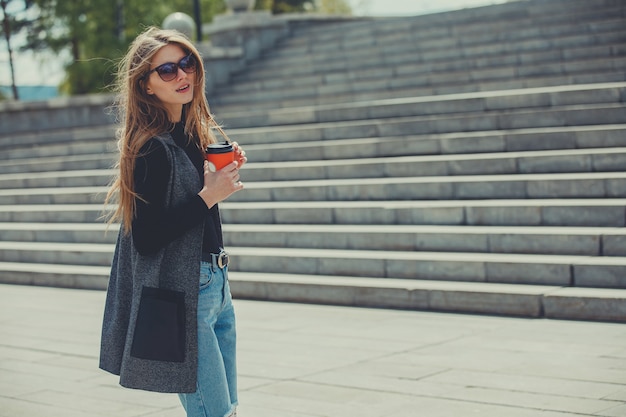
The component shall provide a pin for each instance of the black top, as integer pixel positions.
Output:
(153, 226)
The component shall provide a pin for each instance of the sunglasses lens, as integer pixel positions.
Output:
(188, 64)
(167, 72)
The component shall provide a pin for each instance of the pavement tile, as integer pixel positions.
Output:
(619, 411)
(432, 408)
(298, 360)
(527, 400)
(82, 403)
(619, 395)
(385, 384)
(45, 370)
(529, 384)
(327, 400)
(12, 407)
(571, 368)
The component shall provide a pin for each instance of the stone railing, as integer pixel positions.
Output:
(55, 113)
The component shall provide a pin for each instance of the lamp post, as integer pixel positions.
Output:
(198, 18)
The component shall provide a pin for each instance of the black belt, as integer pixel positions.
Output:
(220, 260)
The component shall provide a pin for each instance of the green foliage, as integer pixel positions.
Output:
(88, 76)
(263, 4)
(97, 33)
(17, 14)
(292, 6)
(14, 19)
(334, 7)
(298, 6)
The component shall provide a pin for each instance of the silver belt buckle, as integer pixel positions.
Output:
(222, 259)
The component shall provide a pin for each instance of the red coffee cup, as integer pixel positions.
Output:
(219, 155)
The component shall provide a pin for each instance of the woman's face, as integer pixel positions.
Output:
(176, 92)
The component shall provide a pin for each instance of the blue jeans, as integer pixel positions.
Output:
(216, 395)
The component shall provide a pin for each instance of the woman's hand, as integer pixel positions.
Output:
(220, 185)
(240, 154)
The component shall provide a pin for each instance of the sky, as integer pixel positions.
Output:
(47, 69)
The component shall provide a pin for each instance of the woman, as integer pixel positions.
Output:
(170, 236)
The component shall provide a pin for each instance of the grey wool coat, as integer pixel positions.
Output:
(175, 267)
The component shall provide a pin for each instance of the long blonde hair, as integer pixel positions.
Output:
(143, 116)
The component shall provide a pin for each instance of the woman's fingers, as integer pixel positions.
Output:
(240, 154)
(231, 173)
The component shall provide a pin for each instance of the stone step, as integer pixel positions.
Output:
(98, 161)
(537, 212)
(585, 241)
(92, 254)
(510, 140)
(523, 17)
(56, 114)
(419, 34)
(574, 160)
(555, 99)
(79, 142)
(86, 233)
(55, 213)
(55, 275)
(419, 85)
(517, 186)
(226, 103)
(410, 35)
(523, 118)
(64, 142)
(447, 53)
(579, 271)
(57, 179)
(457, 143)
(546, 240)
(397, 68)
(532, 269)
(526, 46)
(460, 297)
(534, 63)
(520, 186)
(552, 36)
(579, 160)
(323, 88)
(53, 195)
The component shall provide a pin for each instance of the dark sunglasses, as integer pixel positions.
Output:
(169, 70)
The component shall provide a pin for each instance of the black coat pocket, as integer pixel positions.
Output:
(160, 328)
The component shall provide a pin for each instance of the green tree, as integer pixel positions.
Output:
(298, 6)
(292, 6)
(334, 7)
(97, 32)
(14, 19)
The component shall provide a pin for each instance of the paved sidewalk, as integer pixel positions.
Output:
(304, 360)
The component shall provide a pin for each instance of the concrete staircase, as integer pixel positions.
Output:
(468, 161)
